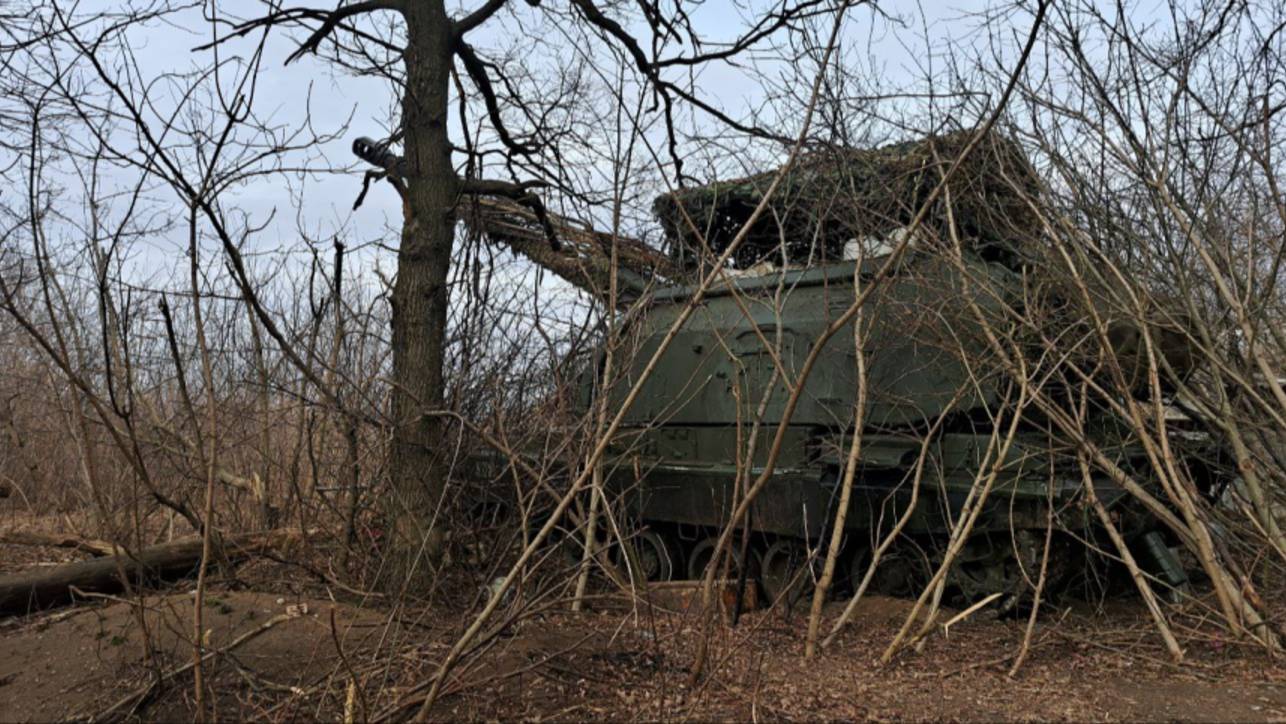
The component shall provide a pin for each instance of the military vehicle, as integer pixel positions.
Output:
(700, 430)
(679, 457)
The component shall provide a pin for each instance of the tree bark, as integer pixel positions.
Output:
(21, 537)
(585, 257)
(42, 588)
(420, 302)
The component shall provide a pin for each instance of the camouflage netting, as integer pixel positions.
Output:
(835, 195)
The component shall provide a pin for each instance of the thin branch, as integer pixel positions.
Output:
(333, 19)
(477, 17)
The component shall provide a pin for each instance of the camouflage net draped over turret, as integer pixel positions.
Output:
(835, 195)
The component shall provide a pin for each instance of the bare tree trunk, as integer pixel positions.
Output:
(850, 471)
(420, 300)
(1041, 579)
(344, 416)
(259, 479)
(211, 465)
(1136, 573)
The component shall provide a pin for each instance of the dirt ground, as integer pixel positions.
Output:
(80, 662)
(289, 648)
(611, 664)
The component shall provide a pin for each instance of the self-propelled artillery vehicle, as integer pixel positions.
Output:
(936, 402)
(916, 373)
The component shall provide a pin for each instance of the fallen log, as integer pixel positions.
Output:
(24, 537)
(568, 247)
(584, 256)
(32, 590)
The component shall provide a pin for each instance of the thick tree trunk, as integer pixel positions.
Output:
(420, 302)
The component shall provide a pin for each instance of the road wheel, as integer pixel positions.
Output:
(704, 551)
(656, 556)
(782, 576)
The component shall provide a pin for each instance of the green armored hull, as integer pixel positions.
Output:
(684, 456)
(936, 402)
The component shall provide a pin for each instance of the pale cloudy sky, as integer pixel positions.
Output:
(893, 49)
(903, 51)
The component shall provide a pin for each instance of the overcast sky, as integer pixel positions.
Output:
(312, 88)
(906, 52)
